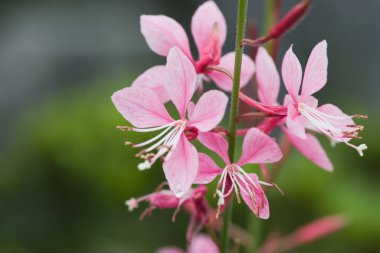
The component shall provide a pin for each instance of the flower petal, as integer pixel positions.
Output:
(341, 122)
(203, 21)
(316, 70)
(311, 149)
(259, 148)
(209, 110)
(227, 62)
(190, 109)
(153, 79)
(293, 122)
(162, 33)
(257, 202)
(180, 79)
(203, 244)
(207, 170)
(141, 107)
(164, 199)
(291, 73)
(267, 77)
(216, 143)
(181, 168)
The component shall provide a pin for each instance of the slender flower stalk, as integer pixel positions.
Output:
(241, 22)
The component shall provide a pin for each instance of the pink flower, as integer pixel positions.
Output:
(200, 244)
(209, 30)
(193, 201)
(257, 148)
(143, 108)
(301, 112)
(268, 81)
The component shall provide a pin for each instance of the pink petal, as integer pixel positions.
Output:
(310, 101)
(153, 79)
(164, 199)
(288, 100)
(259, 148)
(267, 77)
(209, 110)
(203, 21)
(258, 202)
(313, 102)
(181, 167)
(316, 70)
(294, 124)
(141, 107)
(227, 62)
(216, 143)
(190, 109)
(180, 79)
(291, 73)
(311, 149)
(207, 171)
(170, 250)
(162, 33)
(203, 244)
(342, 121)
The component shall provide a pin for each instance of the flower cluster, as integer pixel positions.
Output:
(179, 134)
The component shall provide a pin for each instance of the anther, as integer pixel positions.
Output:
(278, 189)
(141, 153)
(124, 128)
(358, 116)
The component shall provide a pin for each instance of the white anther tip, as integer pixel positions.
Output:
(144, 166)
(221, 198)
(131, 204)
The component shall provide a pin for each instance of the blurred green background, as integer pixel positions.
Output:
(65, 173)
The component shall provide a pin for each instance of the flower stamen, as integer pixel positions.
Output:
(164, 142)
(333, 126)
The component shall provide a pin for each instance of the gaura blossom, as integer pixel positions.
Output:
(268, 84)
(302, 111)
(257, 148)
(194, 202)
(209, 30)
(199, 244)
(144, 110)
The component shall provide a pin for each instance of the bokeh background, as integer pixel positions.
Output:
(65, 173)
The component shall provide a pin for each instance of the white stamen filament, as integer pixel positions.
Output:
(153, 139)
(319, 120)
(164, 142)
(240, 181)
(152, 129)
(327, 124)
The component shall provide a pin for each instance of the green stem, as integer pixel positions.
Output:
(234, 105)
(242, 16)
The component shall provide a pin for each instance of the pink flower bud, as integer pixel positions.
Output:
(290, 19)
(314, 231)
(287, 22)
